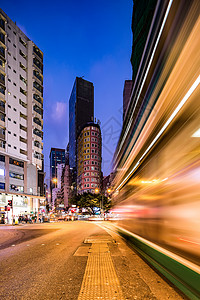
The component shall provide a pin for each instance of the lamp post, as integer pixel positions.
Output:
(101, 193)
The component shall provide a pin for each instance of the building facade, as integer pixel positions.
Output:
(66, 190)
(81, 111)
(126, 95)
(89, 158)
(57, 157)
(21, 117)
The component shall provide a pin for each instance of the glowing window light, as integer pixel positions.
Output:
(2, 172)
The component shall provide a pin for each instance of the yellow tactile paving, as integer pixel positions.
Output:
(100, 279)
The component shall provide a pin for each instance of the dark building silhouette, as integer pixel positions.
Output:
(81, 111)
(143, 11)
(126, 94)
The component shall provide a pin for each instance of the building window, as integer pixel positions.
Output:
(37, 144)
(22, 66)
(16, 188)
(2, 186)
(22, 54)
(2, 144)
(2, 90)
(16, 162)
(2, 158)
(23, 91)
(23, 79)
(22, 42)
(22, 103)
(16, 175)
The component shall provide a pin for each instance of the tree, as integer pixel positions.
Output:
(89, 200)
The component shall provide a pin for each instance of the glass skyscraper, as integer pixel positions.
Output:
(81, 111)
(57, 156)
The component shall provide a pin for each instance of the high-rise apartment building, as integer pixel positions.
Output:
(21, 116)
(89, 158)
(81, 111)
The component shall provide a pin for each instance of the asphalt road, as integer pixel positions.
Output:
(47, 261)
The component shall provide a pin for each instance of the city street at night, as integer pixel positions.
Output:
(100, 150)
(48, 261)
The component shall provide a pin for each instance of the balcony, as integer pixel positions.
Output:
(2, 106)
(2, 79)
(38, 155)
(38, 64)
(38, 87)
(38, 98)
(37, 121)
(2, 23)
(2, 133)
(2, 38)
(38, 132)
(38, 110)
(38, 76)
(37, 51)
(2, 89)
(38, 145)
(2, 52)
(2, 64)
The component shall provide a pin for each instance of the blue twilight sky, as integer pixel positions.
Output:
(90, 38)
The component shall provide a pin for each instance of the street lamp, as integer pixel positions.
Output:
(101, 193)
(108, 190)
(55, 180)
(98, 192)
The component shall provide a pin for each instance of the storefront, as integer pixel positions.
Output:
(13, 206)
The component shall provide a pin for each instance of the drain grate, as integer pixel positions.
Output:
(100, 279)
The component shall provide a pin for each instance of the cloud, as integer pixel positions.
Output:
(60, 112)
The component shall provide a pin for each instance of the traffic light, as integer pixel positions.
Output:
(10, 203)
